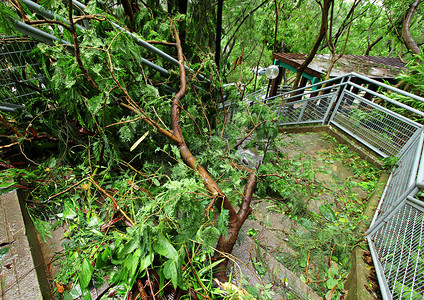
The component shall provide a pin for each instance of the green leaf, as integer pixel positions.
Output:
(176, 151)
(3, 252)
(164, 247)
(6, 184)
(68, 211)
(306, 223)
(170, 270)
(332, 282)
(209, 267)
(42, 227)
(130, 246)
(303, 258)
(86, 272)
(131, 263)
(103, 257)
(328, 213)
(146, 261)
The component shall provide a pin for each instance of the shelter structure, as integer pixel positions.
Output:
(377, 68)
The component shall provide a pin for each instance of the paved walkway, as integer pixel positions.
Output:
(18, 278)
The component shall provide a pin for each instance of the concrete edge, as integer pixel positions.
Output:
(18, 271)
(36, 251)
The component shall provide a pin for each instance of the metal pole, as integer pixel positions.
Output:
(38, 34)
(145, 44)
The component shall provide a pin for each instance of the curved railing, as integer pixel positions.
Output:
(353, 104)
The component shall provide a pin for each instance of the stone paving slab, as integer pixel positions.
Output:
(18, 278)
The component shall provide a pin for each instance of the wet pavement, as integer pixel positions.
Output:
(259, 258)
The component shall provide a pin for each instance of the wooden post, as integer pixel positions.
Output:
(276, 82)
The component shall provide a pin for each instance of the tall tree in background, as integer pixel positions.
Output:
(406, 21)
(325, 8)
(202, 24)
(406, 35)
(218, 32)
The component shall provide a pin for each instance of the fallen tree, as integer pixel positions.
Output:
(103, 97)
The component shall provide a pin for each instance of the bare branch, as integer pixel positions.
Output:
(406, 35)
(77, 47)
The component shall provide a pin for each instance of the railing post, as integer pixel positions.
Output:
(338, 100)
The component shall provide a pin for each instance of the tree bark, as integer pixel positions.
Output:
(322, 32)
(345, 23)
(128, 9)
(236, 219)
(370, 46)
(218, 32)
(406, 35)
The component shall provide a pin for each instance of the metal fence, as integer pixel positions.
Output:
(351, 104)
(21, 77)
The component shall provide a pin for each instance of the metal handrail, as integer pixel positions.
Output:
(48, 38)
(411, 109)
(393, 89)
(46, 13)
(315, 85)
(145, 44)
(353, 74)
(38, 34)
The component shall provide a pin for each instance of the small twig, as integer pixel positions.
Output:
(249, 134)
(161, 43)
(22, 152)
(150, 283)
(307, 267)
(203, 110)
(113, 200)
(330, 295)
(195, 274)
(141, 290)
(240, 167)
(77, 47)
(89, 17)
(42, 22)
(10, 145)
(157, 115)
(10, 127)
(209, 207)
(124, 122)
(68, 189)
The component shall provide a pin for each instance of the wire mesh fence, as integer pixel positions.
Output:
(402, 177)
(308, 110)
(398, 246)
(382, 130)
(396, 234)
(21, 77)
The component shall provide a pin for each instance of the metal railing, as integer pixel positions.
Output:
(48, 38)
(21, 77)
(352, 104)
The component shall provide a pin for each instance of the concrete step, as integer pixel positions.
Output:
(18, 277)
(257, 265)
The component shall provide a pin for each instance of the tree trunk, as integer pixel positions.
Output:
(236, 219)
(128, 9)
(218, 32)
(322, 32)
(367, 52)
(406, 35)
